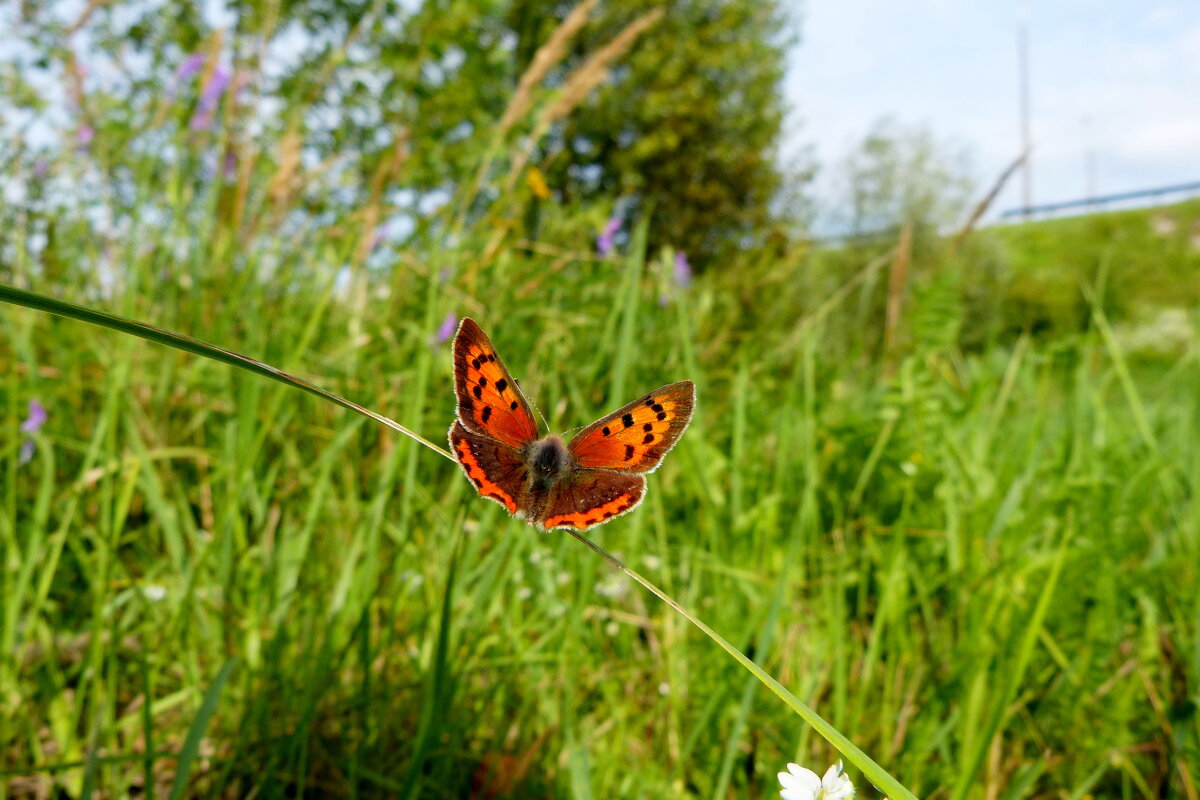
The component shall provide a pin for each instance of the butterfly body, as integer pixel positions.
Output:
(598, 475)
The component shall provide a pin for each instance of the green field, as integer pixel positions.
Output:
(975, 551)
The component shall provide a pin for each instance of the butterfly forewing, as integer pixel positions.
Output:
(589, 498)
(636, 437)
(495, 468)
(489, 400)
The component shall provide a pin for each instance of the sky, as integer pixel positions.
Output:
(1118, 79)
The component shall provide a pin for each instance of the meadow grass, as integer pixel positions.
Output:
(980, 564)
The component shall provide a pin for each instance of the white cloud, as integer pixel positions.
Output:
(1131, 69)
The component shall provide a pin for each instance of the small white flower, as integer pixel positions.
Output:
(803, 784)
(153, 592)
(652, 562)
(524, 593)
(613, 586)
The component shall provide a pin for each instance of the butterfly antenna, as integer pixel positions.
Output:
(533, 405)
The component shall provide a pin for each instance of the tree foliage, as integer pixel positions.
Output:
(682, 126)
(687, 125)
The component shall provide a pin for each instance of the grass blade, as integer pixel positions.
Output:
(191, 745)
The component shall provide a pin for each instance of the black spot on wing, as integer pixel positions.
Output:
(628, 452)
(627, 420)
(501, 385)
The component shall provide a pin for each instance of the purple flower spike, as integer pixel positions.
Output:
(607, 237)
(190, 66)
(29, 426)
(447, 328)
(36, 419)
(683, 270)
(380, 234)
(210, 96)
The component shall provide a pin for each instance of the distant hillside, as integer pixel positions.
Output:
(1142, 264)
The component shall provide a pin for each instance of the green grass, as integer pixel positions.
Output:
(983, 569)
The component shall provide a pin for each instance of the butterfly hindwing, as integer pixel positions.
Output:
(591, 497)
(489, 400)
(496, 469)
(636, 437)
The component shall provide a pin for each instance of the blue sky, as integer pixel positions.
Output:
(1131, 68)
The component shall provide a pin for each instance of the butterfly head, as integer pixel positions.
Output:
(549, 456)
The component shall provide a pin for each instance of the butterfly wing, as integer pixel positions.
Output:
(495, 468)
(489, 400)
(636, 437)
(591, 497)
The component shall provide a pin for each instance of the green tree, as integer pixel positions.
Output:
(686, 126)
(900, 174)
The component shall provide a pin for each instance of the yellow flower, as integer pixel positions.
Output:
(537, 183)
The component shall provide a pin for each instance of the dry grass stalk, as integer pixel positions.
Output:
(895, 296)
(588, 76)
(544, 60)
(983, 205)
(86, 15)
(282, 182)
(389, 167)
(579, 85)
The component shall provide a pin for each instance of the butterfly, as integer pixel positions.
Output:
(550, 484)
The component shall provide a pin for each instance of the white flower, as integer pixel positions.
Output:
(153, 592)
(803, 784)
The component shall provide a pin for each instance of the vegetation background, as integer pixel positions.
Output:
(945, 488)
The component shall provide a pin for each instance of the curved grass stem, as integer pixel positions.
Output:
(876, 774)
(10, 294)
(21, 297)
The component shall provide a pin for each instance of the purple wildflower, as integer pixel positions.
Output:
(380, 234)
(447, 328)
(31, 425)
(210, 96)
(607, 237)
(36, 419)
(683, 270)
(84, 136)
(229, 168)
(190, 66)
(40, 168)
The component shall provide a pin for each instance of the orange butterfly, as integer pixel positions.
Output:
(550, 484)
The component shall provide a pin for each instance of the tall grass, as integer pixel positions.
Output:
(983, 570)
(975, 553)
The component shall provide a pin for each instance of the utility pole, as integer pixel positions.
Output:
(1089, 161)
(1026, 137)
